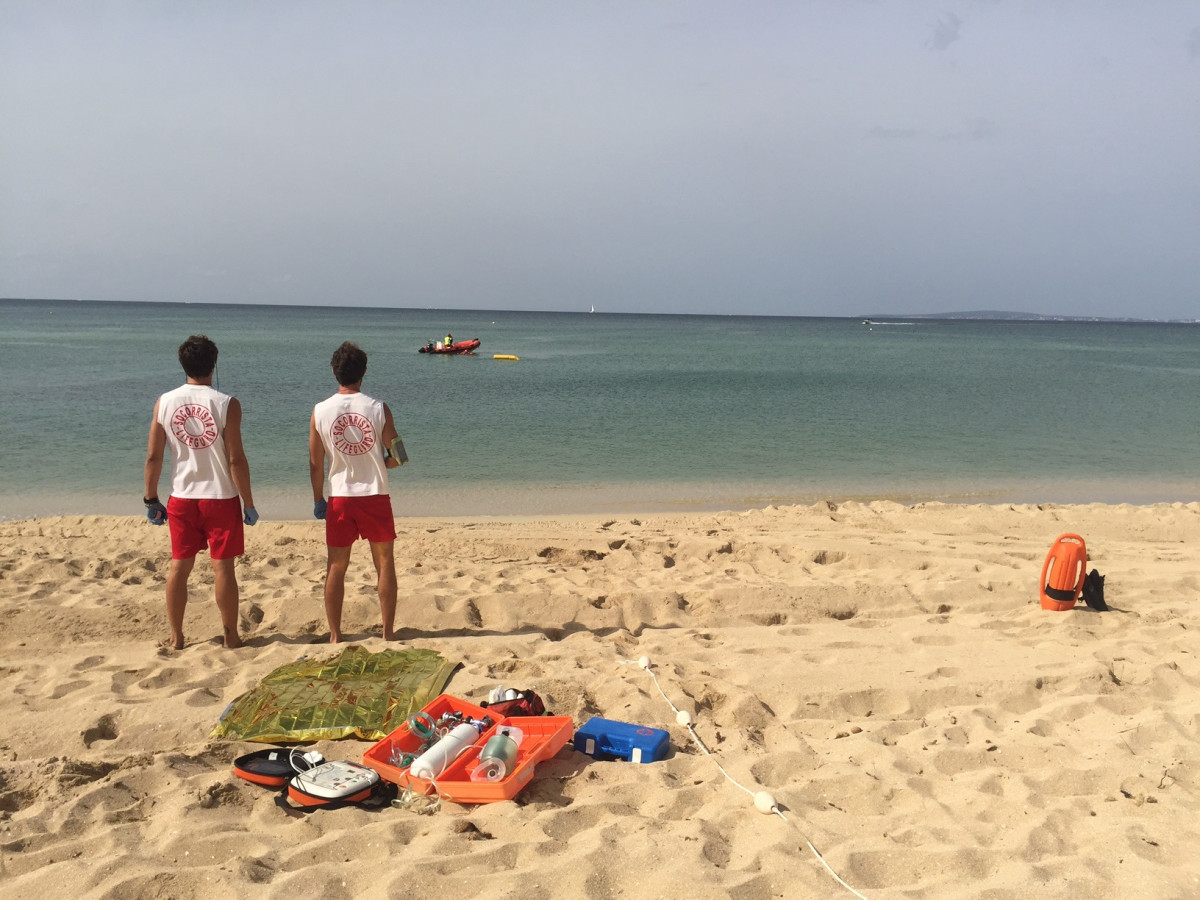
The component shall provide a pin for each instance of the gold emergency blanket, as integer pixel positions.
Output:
(353, 694)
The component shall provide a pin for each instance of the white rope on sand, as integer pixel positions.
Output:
(763, 801)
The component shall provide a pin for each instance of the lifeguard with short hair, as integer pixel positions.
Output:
(356, 434)
(209, 473)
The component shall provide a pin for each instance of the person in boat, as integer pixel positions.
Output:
(357, 434)
(449, 340)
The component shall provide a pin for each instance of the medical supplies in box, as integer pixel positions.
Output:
(434, 742)
(606, 739)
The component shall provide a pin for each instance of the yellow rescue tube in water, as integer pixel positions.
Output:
(505, 356)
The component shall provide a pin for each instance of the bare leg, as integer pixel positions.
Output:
(177, 597)
(335, 590)
(227, 600)
(385, 569)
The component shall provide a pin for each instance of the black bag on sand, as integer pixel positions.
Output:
(1093, 591)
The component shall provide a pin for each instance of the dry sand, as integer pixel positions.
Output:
(885, 672)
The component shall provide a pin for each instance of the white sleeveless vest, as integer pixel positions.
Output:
(194, 418)
(351, 428)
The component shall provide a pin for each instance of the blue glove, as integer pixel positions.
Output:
(251, 515)
(156, 513)
(319, 509)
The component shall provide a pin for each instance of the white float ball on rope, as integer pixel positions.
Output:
(683, 717)
(765, 803)
(644, 662)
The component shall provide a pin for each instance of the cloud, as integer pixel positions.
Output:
(945, 32)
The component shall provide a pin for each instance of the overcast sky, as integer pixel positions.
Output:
(798, 158)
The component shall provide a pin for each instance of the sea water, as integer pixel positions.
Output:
(615, 413)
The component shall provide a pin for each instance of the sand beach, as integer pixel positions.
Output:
(884, 671)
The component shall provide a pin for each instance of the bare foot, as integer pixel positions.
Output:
(233, 640)
(334, 637)
(389, 635)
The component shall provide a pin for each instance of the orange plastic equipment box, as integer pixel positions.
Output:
(543, 737)
(402, 740)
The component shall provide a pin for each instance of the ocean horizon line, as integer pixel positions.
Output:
(877, 318)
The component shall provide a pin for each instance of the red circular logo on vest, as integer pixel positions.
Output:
(194, 426)
(352, 434)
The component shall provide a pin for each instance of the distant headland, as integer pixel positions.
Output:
(1008, 316)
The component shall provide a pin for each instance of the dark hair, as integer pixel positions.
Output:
(349, 364)
(198, 356)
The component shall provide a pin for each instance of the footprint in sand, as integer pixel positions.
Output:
(768, 620)
(935, 640)
(220, 795)
(944, 672)
(827, 557)
(104, 730)
(202, 697)
(69, 687)
(75, 772)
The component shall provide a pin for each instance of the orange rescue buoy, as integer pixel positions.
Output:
(1063, 573)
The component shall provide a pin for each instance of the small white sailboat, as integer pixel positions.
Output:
(593, 309)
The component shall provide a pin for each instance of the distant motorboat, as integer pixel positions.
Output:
(458, 348)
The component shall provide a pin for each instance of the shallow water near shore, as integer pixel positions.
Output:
(613, 413)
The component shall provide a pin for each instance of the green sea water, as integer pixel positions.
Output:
(613, 413)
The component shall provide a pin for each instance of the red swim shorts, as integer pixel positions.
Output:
(349, 518)
(213, 525)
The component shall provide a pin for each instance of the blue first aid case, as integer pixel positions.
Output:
(606, 739)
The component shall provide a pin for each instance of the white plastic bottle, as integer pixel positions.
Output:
(434, 761)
